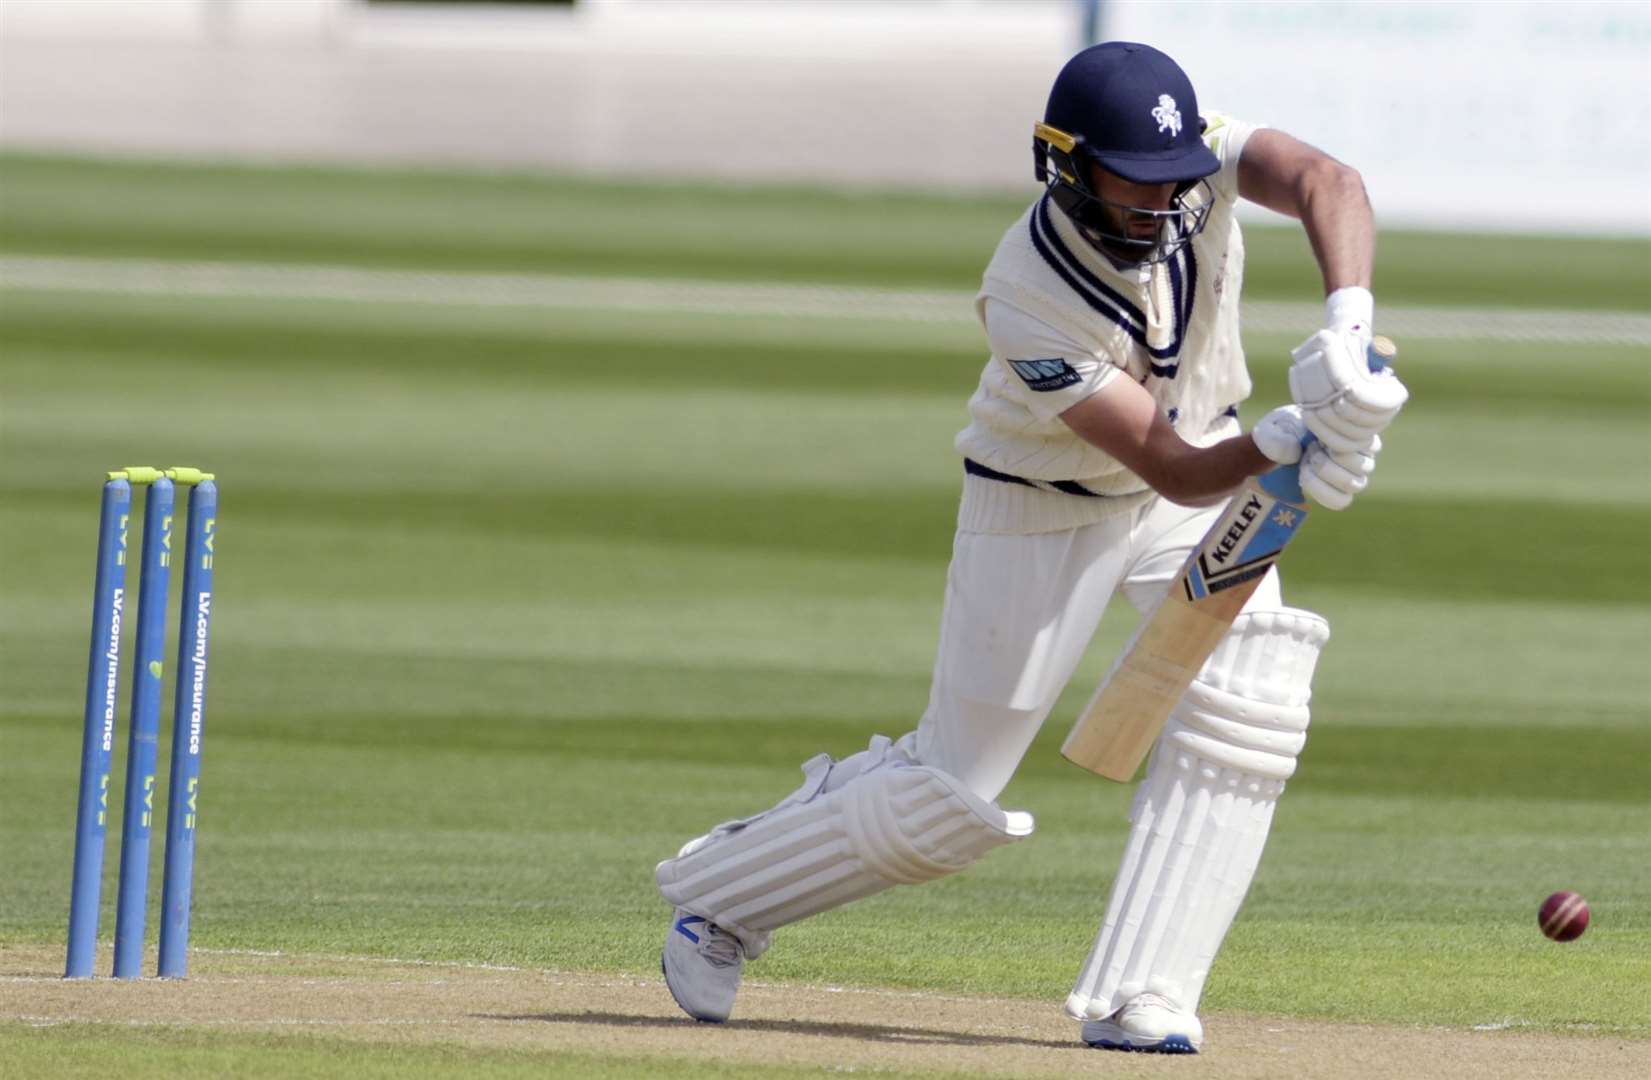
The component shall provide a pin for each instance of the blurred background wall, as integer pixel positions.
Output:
(1493, 115)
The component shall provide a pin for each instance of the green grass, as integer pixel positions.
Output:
(525, 222)
(511, 602)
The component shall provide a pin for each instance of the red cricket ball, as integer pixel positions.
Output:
(1564, 916)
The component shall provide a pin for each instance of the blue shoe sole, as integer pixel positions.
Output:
(1172, 1044)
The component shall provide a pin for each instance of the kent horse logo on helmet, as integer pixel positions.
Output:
(1167, 115)
(1118, 107)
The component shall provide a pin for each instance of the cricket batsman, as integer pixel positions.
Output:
(1103, 438)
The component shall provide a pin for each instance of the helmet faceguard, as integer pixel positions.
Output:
(1063, 163)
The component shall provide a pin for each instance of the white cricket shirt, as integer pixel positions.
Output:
(1062, 321)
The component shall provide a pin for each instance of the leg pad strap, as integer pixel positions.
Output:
(1247, 709)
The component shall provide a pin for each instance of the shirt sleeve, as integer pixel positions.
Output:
(1226, 137)
(1047, 372)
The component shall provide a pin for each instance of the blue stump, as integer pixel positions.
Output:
(148, 669)
(98, 741)
(188, 715)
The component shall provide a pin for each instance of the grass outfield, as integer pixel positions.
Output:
(511, 601)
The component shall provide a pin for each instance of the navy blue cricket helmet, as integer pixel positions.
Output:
(1131, 110)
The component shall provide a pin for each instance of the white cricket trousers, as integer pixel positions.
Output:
(1019, 612)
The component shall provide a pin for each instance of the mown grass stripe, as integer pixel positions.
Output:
(633, 294)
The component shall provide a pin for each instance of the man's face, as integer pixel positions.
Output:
(1120, 197)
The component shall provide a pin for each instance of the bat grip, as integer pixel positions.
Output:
(1380, 353)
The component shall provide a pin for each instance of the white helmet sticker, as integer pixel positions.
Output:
(1167, 115)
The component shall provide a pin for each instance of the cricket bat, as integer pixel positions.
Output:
(1128, 711)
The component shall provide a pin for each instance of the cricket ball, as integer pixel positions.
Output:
(1564, 916)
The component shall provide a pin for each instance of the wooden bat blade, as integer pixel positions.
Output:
(1123, 719)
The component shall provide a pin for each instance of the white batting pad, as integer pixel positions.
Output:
(1202, 814)
(896, 824)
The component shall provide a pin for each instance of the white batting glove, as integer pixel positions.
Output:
(1349, 314)
(1344, 402)
(1330, 366)
(1344, 427)
(1351, 311)
(1331, 478)
(1280, 434)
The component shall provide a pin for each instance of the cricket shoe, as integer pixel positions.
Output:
(1148, 1022)
(702, 963)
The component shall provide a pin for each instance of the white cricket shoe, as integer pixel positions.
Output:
(702, 963)
(1148, 1022)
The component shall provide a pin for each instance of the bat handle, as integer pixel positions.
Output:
(1381, 352)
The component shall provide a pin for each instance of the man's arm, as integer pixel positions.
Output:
(1286, 175)
(1345, 405)
(1123, 419)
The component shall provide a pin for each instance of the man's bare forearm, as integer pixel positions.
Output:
(1202, 476)
(1287, 175)
(1336, 215)
(1123, 420)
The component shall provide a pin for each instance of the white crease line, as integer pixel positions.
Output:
(555, 976)
(157, 277)
(238, 980)
(1503, 1024)
(56, 1021)
(278, 954)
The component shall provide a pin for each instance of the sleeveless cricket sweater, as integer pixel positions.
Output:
(1063, 321)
